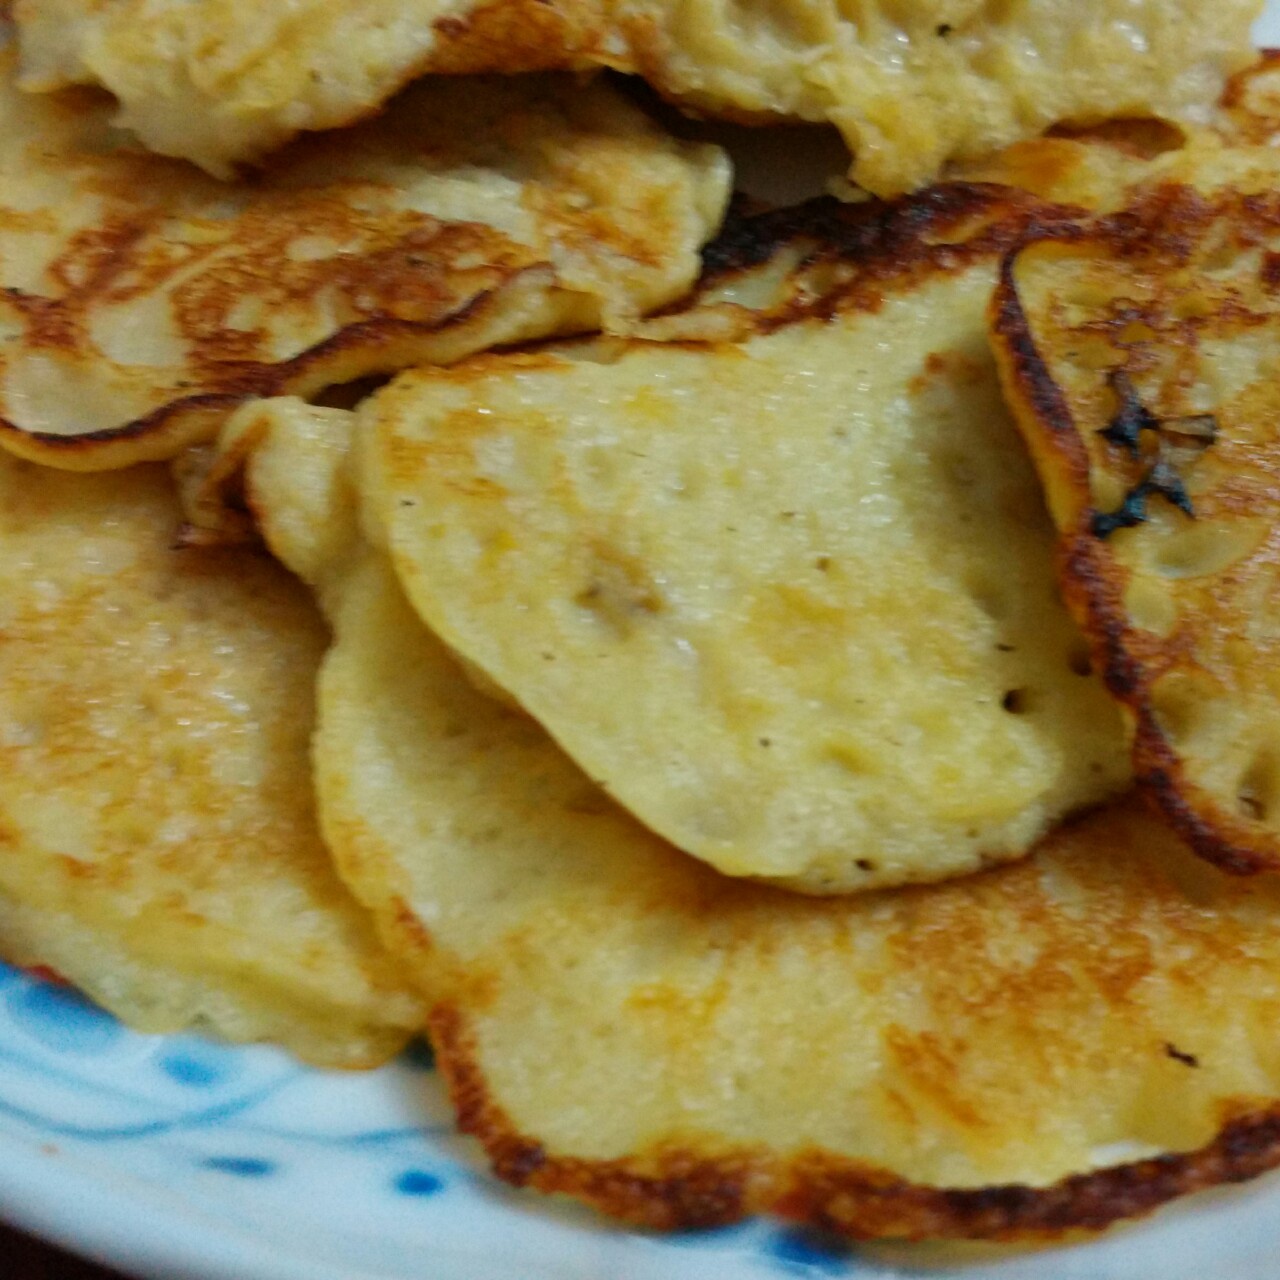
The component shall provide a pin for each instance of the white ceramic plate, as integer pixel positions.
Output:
(175, 1158)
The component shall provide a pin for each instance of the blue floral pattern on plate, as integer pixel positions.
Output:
(360, 1175)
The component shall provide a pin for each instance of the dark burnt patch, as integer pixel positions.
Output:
(1161, 480)
(886, 245)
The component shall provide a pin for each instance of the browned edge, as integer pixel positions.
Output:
(668, 1188)
(1046, 422)
(193, 419)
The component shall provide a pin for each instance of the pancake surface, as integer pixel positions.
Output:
(977, 75)
(623, 1025)
(198, 80)
(158, 843)
(216, 85)
(143, 300)
(679, 1049)
(1141, 357)
(788, 597)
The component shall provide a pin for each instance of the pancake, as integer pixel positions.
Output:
(910, 84)
(623, 1025)
(1140, 357)
(142, 301)
(914, 85)
(158, 841)
(208, 83)
(788, 594)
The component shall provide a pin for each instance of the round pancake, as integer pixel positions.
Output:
(1140, 356)
(788, 598)
(623, 1025)
(158, 843)
(142, 300)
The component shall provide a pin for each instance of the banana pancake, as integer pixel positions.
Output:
(910, 83)
(158, 842)
(624, 1025)
(1140, 357)
(787, 593)
(142, 300)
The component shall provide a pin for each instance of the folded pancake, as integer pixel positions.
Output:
(1141, 359)
(787, 594)
(910, 83)
(622, 1024)
(158, 841)
(142, 300)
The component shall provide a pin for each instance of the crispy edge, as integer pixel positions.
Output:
(382, 344)
(671, 1188)
(1092, 582)
(889, 244)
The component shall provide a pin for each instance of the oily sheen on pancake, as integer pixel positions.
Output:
(1141, 357)
(158, 844)
(678, 1049)
(788, 594)
(143, 301)
(910, 83)
(622, 1024)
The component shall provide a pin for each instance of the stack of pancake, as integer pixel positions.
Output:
(784, 699)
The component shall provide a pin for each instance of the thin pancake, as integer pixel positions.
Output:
(158, 844)
(910, 83)
(789, 598)
(1140, 357)
(142, 301)
(679, 1050)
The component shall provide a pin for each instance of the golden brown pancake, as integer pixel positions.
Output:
(678, 1049)
(158, 843)
(787, 595)
(1140, 356)
(910, 83)
(623, 1025)
(142, 301)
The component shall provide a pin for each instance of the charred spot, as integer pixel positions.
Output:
(943, 30)
(523, 1162)
(1160, 480)
(1193, 431)
(1132, 417)
(942, 228)
(1131, 512)
(1178, 1055)
(1181, 438)
(1269, 274)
